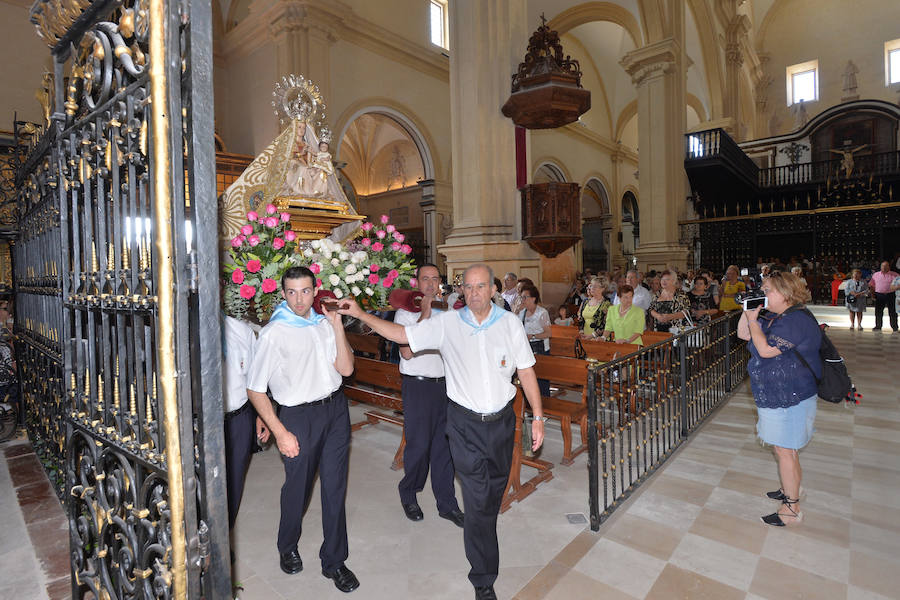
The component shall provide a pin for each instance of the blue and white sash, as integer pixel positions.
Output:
(284, 314)
(469, 319)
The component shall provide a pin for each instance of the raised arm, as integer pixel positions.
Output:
(386, 329)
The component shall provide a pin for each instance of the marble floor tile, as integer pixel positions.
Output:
(777, 580)
(739, 533)
(621, 567)
(877, 574)
(675, 582)
(645, 536)
(681, 488)
(578, 585)
(807, 553)
(722, 562)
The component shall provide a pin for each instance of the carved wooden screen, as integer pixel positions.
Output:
(117, 307)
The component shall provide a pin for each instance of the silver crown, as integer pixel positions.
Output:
(298, 98)
(325, 134)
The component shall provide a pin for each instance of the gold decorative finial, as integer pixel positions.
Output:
(95, 266)
(132, 406)
(110, 257)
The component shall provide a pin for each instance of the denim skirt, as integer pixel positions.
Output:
(787, 427)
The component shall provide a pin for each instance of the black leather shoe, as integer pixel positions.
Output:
(455, 516)
(290, 562)
(485, 592)
(413, 512)
(343, 578)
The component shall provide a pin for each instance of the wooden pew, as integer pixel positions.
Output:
(378, 384)
(564, 331)
(606, 351)
(569, 372)
(370, 345)
(563, 346)
(515, 490)
(653, 337)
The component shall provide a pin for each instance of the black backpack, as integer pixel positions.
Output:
(834, 385)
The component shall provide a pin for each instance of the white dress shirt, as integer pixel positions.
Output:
(426, 363)
(642, 298)
(536, 323)
(510, 295)
(239, 343)
(479, 363)
(296, 363)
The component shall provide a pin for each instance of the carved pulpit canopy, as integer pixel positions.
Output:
(551, 216)
(546, 89)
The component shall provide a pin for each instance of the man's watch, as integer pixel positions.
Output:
(542, 419)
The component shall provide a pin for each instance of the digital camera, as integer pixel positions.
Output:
(752, 299)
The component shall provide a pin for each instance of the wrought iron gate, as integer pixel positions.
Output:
(117, 301)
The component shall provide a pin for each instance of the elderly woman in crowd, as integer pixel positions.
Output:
(669, 307)
(855, 297)
(536, 320)
(625, 320)
(593, 312)
(730, 288)
(784, 388)
(703, 305)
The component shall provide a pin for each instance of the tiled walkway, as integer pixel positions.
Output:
(692, 531)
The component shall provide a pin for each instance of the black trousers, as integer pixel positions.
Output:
(240, 432)
(323, 432)
(482, 455)
(425, 425)
(882, 300)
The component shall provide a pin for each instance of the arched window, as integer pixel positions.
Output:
(631, 230)
(595, 227)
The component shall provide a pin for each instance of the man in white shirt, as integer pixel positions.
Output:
(301, 356)
(510, 291)
(642, 296)
(425, 416)
(238, 342)
(482, 346)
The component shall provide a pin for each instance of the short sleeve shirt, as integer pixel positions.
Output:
(426, 363)
(239, 344)
(536, 323)
(296, 363)
(479, 361)
(783, 381)
(627, 326)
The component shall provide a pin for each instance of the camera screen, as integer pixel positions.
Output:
(752, 303)
(745, 272)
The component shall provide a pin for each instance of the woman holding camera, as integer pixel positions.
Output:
(784, 389)
(855, 297)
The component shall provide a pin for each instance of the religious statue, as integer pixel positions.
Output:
(308, 172)
(847, 163)
(398, 169)
(849, 77)
(44, 95)
(800, 116)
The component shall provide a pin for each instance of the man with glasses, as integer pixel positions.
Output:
(482, 346)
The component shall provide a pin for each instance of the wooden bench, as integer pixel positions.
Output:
(515, 490)
(653, 337)
(369, 345)
(563, 346)
(564, 331)
(606, 351)
(378, 384)
(572, 373)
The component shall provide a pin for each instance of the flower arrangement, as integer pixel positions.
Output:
(368, 268)
(265, 247)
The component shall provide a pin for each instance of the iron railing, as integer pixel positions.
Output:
(819, 171)
(643, 406)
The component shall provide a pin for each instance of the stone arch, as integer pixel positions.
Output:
(628, 113)
(695, 103)
(598, 11)
(712, 58)
(552, 168)
(596, 227)
(652, 21)
(236, 11)
(403, 117)
(571, 39)
(631, 220)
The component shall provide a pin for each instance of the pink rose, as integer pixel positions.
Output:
(271, 222)
(237, 276)
(399, 236)
(236, 242)
(366, 242)
(384, 219)
(269, 285)
(387, 282)
(316, 268)
(254, 266)
(395, 246)
(290, 236)
(413, 282)
(247, 229)
(374, 268)
(405, 249)
(380, 234)
(270, 209)
(318, 283)
(373, 278)
(366, 226)
(285, 217)
(247, 291)
(393, 274)
(278, 243)
(253, 240)
(377, 246)
(252, 216)
(391, 229)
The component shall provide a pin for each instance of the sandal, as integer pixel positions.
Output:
(776, 518)
(779, 494)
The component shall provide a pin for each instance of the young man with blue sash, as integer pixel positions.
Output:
(301, 356)
(481, 345)
(425, 416)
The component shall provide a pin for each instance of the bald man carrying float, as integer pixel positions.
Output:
(481, 345)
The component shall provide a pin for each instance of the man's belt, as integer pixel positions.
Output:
(423, 378)
(244, 407)
(332, 396)
(484, 417)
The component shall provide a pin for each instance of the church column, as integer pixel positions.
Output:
(488, 41)
(617, 256)
(735, 33)
(303, 36)
(657, 70)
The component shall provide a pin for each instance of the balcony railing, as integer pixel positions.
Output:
(716, 143)
(818, 171)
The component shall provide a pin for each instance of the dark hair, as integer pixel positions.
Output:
(498, 285)
(701, 278)
(533, 291)
(525, 281)
(625, 289)
(298, 273)
(428, 264)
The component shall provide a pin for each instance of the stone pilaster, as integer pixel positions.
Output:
(657, 71)
(488, 41)
(735, 33)
(303, 35)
